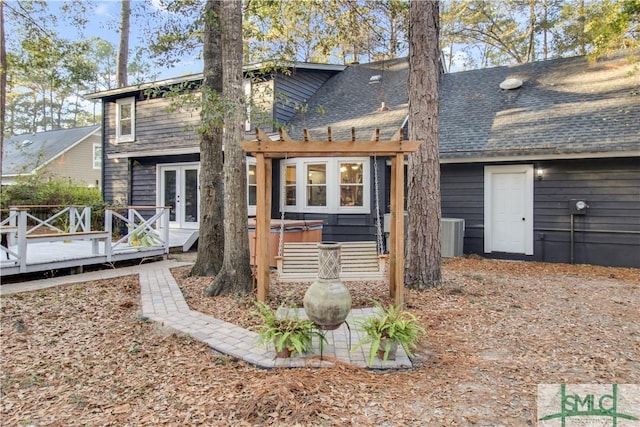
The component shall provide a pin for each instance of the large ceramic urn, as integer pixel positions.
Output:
(327, 302)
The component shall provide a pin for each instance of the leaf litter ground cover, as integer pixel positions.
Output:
(81, 355)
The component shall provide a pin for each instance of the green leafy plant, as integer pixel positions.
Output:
(288, 333)
(391, 326)
(140, 236)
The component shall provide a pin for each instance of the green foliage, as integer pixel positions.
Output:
(55, 191)
(36, 190)
(141, 236)
(390, 324)
(285, 332)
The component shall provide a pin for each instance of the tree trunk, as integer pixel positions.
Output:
(422, 266)
(211, 236)
(235, 276)
(123, 49)
(3, 84)
(531, 47)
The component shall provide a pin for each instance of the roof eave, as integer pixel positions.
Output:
(539, 157)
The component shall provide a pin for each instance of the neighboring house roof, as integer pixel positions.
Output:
(565, 108)
(198, 77)
(26, 153)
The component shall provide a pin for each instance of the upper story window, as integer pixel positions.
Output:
(252, 186)
(125, 119)
(326, 185)
(97, 156)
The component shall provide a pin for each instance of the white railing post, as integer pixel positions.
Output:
(108, 226)
(22, 239)
(165, 223)
(85, 218)
(13, 222)
(73, 212)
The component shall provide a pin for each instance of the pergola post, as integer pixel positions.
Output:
(398, 213)
(392, 232)
(263, 224)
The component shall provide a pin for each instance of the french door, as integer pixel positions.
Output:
(179, 189)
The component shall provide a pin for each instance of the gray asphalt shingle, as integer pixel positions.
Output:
(565, 106)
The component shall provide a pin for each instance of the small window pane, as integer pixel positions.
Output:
(291, 196)
(317, 174)
(316, 196)
(351, 195)
(290, 175)
(252, 175)
(125, 111)
(253, 195)
(351, 173)
(252, 188)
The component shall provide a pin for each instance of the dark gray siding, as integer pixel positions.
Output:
(115, 181)
(462, 196)
(609, 233)
(143, 177)
(296, 89)
(156, 128)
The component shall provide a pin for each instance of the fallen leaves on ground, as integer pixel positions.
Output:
(81, 354)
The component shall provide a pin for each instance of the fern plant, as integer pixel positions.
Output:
(289, 333)
(390, 327)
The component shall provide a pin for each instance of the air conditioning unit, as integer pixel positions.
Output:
(451, 237)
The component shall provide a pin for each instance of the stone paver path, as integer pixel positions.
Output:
(162, 301)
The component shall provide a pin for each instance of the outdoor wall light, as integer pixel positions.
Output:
(539, 174)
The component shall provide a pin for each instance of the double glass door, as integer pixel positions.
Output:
(179, 189)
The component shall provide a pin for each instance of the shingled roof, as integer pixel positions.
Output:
(351, 99)
(565, 108)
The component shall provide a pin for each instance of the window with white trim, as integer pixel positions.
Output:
(125, 119)
(252, 186)
(316, 184)
(351, 184)
(97, 156)
(326, 185)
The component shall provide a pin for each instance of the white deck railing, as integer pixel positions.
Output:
(127, 229)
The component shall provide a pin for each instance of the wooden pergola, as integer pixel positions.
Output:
(264, 149)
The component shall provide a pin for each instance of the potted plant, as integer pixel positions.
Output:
(288, 333)
(391, 327)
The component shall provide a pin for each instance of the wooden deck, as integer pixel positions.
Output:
(36, 244)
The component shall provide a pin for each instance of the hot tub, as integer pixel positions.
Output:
(294, 231)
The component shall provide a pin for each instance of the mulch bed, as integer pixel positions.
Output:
(81, 355)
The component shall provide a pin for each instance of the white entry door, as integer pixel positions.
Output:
(178, 187)
(508, 209)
